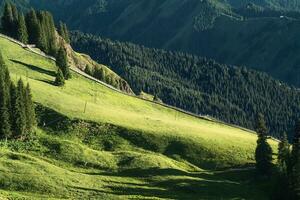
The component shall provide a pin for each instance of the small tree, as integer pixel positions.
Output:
(62, 63)
(19, 123)
(59, 80)
(88, 69)
(263, 152)
(22, 34)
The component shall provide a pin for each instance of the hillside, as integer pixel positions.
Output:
(203, 86)
(94, 142)
(231, 32)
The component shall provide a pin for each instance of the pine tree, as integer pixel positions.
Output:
(88, 69)
(62, 63)
(33, 27)
(5, 128)
(29, 110)
(263, 152)
(22, 34)
(67, 34)
(59, 80)
(7, 20)
(283, 154)
(19, 124)
(15, 22)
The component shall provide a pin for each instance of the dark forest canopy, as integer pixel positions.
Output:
(200, 85)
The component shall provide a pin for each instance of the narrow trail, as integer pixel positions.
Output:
(80, 72)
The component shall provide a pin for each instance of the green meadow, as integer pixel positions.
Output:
(96, 143)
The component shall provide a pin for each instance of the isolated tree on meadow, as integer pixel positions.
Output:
(59, 79)
(263, 152)
(62, 63)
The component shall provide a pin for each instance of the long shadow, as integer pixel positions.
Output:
(35, 68)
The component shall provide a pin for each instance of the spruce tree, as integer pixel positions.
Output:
(59, 80)
(263, 152)
(283, 154)
(22, 34)
(7, 20)
(15, 22)
(88, 69)
(62, 63)
(5, 127)
(29, 110)
(33, 27)
(19, 125)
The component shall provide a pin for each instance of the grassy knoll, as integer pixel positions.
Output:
(97, 143)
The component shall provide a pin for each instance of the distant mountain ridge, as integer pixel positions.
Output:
(260, 34)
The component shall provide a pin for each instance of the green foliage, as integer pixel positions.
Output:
(283, 154)
(59, 79)
(62, 63)
(197, 84)
(22, 34)
(33, 27)
(64, 32)
(263, 152)
(88, 69)
(7, 19)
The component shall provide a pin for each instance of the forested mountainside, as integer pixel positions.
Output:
(259, 34)
(232, 94)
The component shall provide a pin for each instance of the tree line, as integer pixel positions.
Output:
(38, 28)
(200, 85)
(17, 113)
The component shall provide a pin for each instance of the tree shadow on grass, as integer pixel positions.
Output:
(177, 184)
(35, 68)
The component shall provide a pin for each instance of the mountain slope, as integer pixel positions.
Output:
(94, 142)
(232, 94)
(231, 32)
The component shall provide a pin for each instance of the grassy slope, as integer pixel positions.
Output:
(43, 173)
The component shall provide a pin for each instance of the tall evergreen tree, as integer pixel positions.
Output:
(15, 22)
(22, 34)
(64, 32)
(62, 63)
(5, 128)
(33, 27)
(263, 152)
(29, 110)
(7, 19)
(19, 124)
(283, 154)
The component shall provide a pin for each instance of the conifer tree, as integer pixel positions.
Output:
(59, 80)
(33, 27)
(5, 128)
(283, 154)
(62, 63)
(263, 152)
(15, 14)
(64, 32)
(7, 19)
(29, 110)
(19, 124)
(88, 69)
(22, 34)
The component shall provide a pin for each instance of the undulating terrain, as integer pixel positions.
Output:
(112, 149)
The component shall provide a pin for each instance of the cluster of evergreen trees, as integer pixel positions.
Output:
(17, 114)
(196, 84)
(37, 27)
(288, 161)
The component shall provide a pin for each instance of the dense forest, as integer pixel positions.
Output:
(200, 85)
